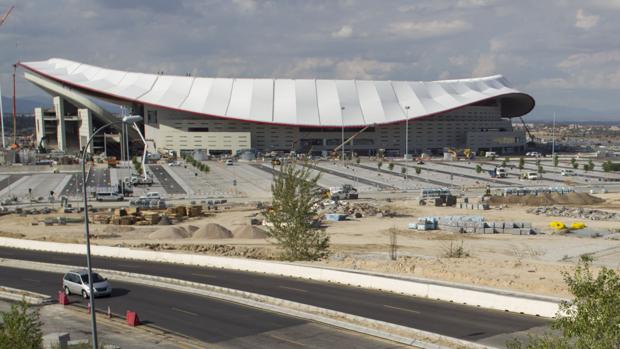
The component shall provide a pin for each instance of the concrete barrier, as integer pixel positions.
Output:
(469, 295)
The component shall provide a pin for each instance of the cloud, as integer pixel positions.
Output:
(584, 21)
(486, 65)
(474, 3)
(245, 6)
(424, 29)
(344, 32)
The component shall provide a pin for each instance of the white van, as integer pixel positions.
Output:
(153, 195)
(530, 175)
(567, 172)
(108, 196)
(490, 154)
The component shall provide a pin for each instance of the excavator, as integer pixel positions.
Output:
(457, 153)
(348, 140)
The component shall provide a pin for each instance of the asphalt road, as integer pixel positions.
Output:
(392, 173)
(362, 180)
(455, 320)
(166, 180)
(216, 322)
(10, 179)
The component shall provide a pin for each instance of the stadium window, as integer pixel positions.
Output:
(151, 116)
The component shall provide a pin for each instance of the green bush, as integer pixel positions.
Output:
(521, 163)
(20, 328)
(418, 170)
(478, 168)
(391, 166)
(609, 166)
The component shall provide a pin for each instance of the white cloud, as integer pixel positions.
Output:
(245, 6)
(422, 29)
(584, 21)
(344, 32)
(474, 3)
(486, 65)
(593, 60)
(458, 60)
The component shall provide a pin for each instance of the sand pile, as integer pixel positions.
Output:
(191, 229)
(171, 233)
(249, 232)
(212, 231)
(547, 199)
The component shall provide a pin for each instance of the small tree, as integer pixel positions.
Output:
(294, 208)
(590, 165)
(588, 321)
(541, 169)
(379, 164)
(505, 162)
(357, 160)
(403, 170)
(575, 165)
(478, 168)
(521, 163)
(418, 170)
(586, 167)
(391, 166)
(556, 160)
(20, 328)
(573, 161)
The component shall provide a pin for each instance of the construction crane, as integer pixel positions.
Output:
(532, 139)
(2, 20)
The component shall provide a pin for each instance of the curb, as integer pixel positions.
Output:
(15, 294)
(376, 328)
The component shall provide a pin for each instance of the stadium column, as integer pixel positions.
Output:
(61, 135)
(86, 128)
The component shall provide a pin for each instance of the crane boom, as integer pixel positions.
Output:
(351, 138)
(6, 15)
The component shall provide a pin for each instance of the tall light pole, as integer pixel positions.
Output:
(406, 137)
(126, 120)
(2, 118)
(553, 137)
(342, 118)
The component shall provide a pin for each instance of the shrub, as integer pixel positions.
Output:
(20, 328)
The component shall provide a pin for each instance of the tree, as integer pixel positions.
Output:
(418, 170)
(379, 164)
(20, 328)
(575, 165)
(296, 196)
(588, 321)
(541, 169)
(590, 165)
(506, 161)
(357, 160)
(586, 167)
(478, 168)
(521, 163)
(403, 170)
(556, 160)
(391, 166)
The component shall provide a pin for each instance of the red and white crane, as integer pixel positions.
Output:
(2, 19)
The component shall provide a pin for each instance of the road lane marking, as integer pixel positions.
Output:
(403, 309)
(203, 275)
(184, 311)
(293, 288)
(288, 340)
(33, 280)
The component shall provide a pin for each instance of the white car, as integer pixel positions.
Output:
(230, 162)
(153, 195)
(567, 172)
(530, 175)
(490, 154)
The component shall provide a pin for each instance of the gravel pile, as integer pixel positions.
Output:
(212, 231)
(358, 209)
(575, 212)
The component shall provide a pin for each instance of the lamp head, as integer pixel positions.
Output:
(130, 119)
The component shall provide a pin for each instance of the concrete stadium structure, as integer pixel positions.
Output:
(224, 115)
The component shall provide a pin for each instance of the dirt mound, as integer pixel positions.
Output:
(117, 229)
(249, 232)
(547, 199)
(171, 233)
(191, 228)
(212, 231)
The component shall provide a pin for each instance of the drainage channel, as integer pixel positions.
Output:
(431, 181)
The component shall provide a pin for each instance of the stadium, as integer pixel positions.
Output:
(228, 115)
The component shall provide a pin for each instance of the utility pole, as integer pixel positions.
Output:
(553, 136)
(342, 118)
(14, 108)
(406, 138)
(2, 19)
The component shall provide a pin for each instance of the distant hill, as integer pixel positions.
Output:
(571, 114)
(26, 105)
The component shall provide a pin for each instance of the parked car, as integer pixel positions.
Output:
(108, 196)
(567, 172)
(530, 175)
(490, 154)
(174, 164)
(76, 282)
(230, 162)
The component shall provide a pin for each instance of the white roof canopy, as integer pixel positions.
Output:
(299, 102)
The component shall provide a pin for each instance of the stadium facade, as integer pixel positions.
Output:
(224, 115)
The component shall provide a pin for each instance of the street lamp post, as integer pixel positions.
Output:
(126, 120)
(406, 138)
(342, 144)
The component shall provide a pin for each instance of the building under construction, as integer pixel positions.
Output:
(225, 115)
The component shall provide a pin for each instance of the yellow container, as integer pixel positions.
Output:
(557, 225)
(577, 225)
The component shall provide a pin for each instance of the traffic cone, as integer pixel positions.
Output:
(109, 313)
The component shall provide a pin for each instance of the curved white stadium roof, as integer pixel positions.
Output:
(299, 102)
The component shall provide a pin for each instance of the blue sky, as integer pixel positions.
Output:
(565, 53)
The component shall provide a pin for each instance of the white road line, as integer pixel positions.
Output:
(293, 288)
(184, 311)
(403, 309)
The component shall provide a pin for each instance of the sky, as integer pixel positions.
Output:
(566, 54)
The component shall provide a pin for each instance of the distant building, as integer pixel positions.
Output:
(223, 115)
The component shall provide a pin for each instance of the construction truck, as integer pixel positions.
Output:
(346, 192)
(498, 172)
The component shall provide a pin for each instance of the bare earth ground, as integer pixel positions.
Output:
(525, 263)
